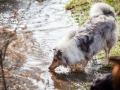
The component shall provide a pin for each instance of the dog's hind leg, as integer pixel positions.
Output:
(107, 51)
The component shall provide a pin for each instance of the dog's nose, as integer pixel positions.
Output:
(50, 68)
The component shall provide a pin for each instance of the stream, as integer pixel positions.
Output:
(48, 21)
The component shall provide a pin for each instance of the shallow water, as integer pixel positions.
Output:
(49, 22)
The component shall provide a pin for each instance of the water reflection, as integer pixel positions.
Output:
(69, 80)
(65, 81)
(71, 77)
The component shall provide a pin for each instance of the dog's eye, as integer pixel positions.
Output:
(65, 58)
(55, 60)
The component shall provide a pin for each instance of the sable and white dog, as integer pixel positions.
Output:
(98, 33)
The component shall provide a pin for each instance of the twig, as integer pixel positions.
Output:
(4, 53)
(3, 76)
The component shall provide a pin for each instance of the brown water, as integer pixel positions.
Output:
(48, 22)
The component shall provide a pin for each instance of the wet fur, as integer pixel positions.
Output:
(98, 33)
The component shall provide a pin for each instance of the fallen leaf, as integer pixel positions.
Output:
(38, 79)
(19, 54)
(7, 73)
(11, 51)
(18, 20)
(26, 35)
(12, 80)
(39, 1)
(23, 59)
(24, 28)
(7, 30)
(3, 27)
(13, 57)
(26, 46)
(14, 76)
(14, 32)
(15, 13)
(20, 38)
(19, 44)
(24, 74)
(14, 44)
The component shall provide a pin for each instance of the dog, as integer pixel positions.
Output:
(110, 81)
(98, 33)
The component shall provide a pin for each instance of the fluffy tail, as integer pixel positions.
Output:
(102, 9)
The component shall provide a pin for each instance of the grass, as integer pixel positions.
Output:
(106, 69)
(80, 86)
(75, 3)
(79, 9)
(80, 12)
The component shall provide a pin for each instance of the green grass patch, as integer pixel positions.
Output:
(83, 6)
(79, 9)
(75, 3)
(106, 69)
(116, 50)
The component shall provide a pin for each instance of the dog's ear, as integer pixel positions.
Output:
(59, 53)
(62, 57)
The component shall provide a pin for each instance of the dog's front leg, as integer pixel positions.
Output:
(76, 68)
(83, 65)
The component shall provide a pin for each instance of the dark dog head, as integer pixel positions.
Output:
(105, 83)
(116, 71)
(110, 81)
(58, 59)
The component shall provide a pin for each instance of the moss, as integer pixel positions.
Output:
(106, 69)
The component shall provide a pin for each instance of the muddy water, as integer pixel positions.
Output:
(49, 22)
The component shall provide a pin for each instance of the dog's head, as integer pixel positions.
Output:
(116, 71)
(58, 59)
(104, 83)
(110, 81)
